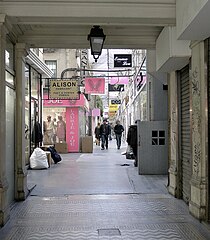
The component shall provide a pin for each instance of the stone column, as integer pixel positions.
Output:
(21, 190)
(198, 95)
(174, 170)
(4, 210)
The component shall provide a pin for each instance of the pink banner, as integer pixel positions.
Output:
(95, 85)
(96, 112)
(119, 80)
(72, 128)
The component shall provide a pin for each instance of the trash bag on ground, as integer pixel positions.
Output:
(38, 159)
(54, 154)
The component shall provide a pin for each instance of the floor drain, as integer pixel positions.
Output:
(109, 232)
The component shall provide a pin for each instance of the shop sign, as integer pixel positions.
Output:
(122, 60)
(63, 89)
(116, 88)
(113, 108)
(116, 101)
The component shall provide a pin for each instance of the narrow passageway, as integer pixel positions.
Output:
(99, 195)
(102, 172)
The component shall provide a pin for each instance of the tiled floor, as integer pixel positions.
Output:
(94, 196)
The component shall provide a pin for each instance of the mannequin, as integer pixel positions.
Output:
(61, 129)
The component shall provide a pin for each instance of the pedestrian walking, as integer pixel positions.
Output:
(97, 134)
(118, 130)
(105, 130)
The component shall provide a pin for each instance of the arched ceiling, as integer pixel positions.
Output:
(133, 24)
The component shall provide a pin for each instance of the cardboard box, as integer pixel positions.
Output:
(61, 147)
(87, 144)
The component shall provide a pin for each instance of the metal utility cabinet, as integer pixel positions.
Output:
(152, 147)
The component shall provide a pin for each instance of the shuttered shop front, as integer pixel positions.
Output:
(208, 74)
(185, 156)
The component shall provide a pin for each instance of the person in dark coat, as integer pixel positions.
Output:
(37, 135)
(118, 129)
(105, 130)
(97, 134)
(132, 141)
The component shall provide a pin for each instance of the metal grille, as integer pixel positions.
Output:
(185, 132)
(208, 126)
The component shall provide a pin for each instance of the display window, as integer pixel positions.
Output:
(65, 121)
(54, 125)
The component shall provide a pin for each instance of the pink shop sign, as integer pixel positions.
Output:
(72, 128)
(81, 102)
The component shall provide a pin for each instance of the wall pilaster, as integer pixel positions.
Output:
(4, 209)
(174, 176)
(198, 96)
(21, 172)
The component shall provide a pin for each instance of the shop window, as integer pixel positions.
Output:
(158, 137)
(52, 65)
(9, 55)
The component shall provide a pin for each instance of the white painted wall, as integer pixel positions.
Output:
(192, 19)
(171, 54)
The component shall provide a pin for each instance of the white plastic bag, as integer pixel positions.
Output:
(38, 159)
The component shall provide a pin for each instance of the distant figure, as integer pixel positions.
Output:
(48, 130)
(54, 130)
(132, 141)
(97, 134)
(118, 129)
(105, 130)
(61, 129)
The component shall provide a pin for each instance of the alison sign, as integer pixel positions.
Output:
(63, 89)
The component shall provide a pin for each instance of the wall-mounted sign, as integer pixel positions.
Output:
(122, 60)
(63, 89)
(116, 88)
(115, 101)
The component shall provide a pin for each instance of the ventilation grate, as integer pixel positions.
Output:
(109, 232)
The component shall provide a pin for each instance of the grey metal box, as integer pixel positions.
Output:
(152, 147)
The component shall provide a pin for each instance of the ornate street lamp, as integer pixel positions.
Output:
(96, 38)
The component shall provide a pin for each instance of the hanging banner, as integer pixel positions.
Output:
(63, 89)
(95, 85)
(140, 81)
(119, 80)
(72, 124)
(96, 112)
